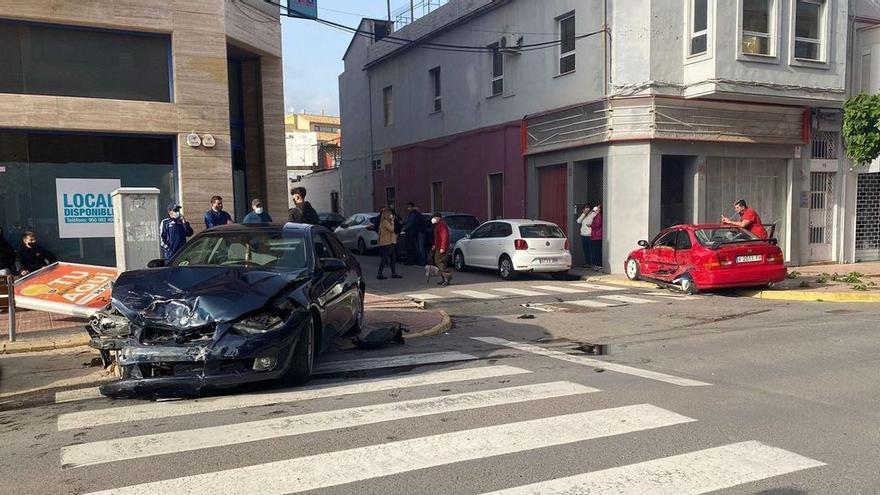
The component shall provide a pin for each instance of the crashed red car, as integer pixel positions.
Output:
(700, 257)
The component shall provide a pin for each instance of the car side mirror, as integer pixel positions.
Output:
(467, 236)
(643, 243)
(333, 265)
(156, 263)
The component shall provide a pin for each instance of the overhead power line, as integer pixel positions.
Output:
(428, 44)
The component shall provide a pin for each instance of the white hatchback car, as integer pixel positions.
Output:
(512, 246)
(357, 234)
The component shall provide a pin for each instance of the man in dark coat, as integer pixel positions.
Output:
(7, 256)
(32, 256)
(173, 231)
(302, 211)
(414, 227)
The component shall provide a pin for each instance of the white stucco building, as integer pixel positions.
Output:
(664, 112)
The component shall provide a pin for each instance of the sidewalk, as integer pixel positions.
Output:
(859, 282)
(46, 358)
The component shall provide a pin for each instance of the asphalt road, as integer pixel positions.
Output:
(703, 394)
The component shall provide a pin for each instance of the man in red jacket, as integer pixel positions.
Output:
(441, 247)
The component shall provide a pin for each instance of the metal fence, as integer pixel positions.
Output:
(415, 10)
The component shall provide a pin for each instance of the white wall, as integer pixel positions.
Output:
(302, 149)
(318, 186)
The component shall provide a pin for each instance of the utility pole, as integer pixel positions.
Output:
(412, 11)
(388, 2)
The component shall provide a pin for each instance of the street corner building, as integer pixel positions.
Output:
(662, 112)
(181, 96)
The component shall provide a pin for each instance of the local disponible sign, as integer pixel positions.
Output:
(84, 207)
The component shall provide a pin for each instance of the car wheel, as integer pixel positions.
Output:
(303, 359)
(505, 268)
(688, 285)
(458, 261)
(358, 324)
(633, 270)
(560, 275)
(362, 247)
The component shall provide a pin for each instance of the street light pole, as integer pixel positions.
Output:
(389, 10)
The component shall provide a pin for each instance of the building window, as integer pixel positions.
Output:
(326, 128)
(435, 89)
(567, 44)
(699, 32)
(388, 106)
(377, 164)
(809, 16)
(43, 59)
(757, 27)
(497, 69)
(865, 79)
(437, 196)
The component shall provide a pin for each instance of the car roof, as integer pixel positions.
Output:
(523, 221)
(698, 226)
(243, 228)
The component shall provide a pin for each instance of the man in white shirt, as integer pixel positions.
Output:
(586, 219)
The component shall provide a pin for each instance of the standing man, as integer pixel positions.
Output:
(586, 220)
(302, 211)
(440, 248)
(173, 231)
(412, 226)
(32, 256)
(258, 215)
(387, 243)
(750, 219)
(216, 217)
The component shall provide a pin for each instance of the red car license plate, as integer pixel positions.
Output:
(749, 259)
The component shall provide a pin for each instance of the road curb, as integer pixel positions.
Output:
(807, 296)
(444, 325)
(43, 345)
(608, 279)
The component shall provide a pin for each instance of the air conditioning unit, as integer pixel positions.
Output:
(510, 44)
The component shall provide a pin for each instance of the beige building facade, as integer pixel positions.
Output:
(89, 99)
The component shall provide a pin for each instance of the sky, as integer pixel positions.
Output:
(313, 53)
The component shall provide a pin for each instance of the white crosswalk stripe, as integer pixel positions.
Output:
(560, 289)
(586, 285)
(475, 294)
(157, 410)
(181, 441)
(391, 362)
(77, 394)
(358, 464)
(596, 363)
(627, 299)
(589, 303)
(520, 292)
(424, 296)
(694, 473)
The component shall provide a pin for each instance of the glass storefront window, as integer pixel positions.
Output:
(30, 163)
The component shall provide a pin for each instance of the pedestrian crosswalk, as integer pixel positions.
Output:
(486, 386)
(588, 295)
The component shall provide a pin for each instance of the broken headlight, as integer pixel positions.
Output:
(268, 320)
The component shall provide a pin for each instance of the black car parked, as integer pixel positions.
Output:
(239, 304)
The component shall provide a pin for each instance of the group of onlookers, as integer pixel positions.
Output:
(389, 227)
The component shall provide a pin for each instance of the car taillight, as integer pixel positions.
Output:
(774, 259)
(520, 244)
(567, 245)
(719, 261)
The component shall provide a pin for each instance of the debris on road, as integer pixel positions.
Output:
(373, 338)
(593, 349)
(526, 316)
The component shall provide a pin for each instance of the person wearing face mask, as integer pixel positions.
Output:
(258, 215)
(173, 231)
(7, 256)
(216, 217)
(32, 256)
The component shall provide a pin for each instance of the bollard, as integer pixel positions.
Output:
(10, 284)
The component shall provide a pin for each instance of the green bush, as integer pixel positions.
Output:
(861, 128)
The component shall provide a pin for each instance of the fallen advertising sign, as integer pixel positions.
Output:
(66, 288)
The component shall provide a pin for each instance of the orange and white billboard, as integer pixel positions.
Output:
(66, 288)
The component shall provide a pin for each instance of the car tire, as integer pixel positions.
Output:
(458, 261)
(362, 246)
(302, 361)
(559, 275)
(688, 286)
(358, 324)
(505, 268)
(633, 270)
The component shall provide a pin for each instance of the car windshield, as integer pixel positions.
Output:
(274, 251)
(462, 222)
(540, 231)
(724, 235)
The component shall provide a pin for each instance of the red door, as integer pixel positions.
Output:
(553, 195)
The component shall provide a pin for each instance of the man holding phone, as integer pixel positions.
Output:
(173, 231)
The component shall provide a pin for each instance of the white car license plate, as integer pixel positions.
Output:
(749, 259)
(546, 260)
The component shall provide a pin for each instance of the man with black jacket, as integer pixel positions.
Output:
(414, 227)
(32, 256)
(302, 211)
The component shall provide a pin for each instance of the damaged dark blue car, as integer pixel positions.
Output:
(239, 304)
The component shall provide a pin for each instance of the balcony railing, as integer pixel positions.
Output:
(416, 9)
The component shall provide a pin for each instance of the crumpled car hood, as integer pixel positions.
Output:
(195, 296)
